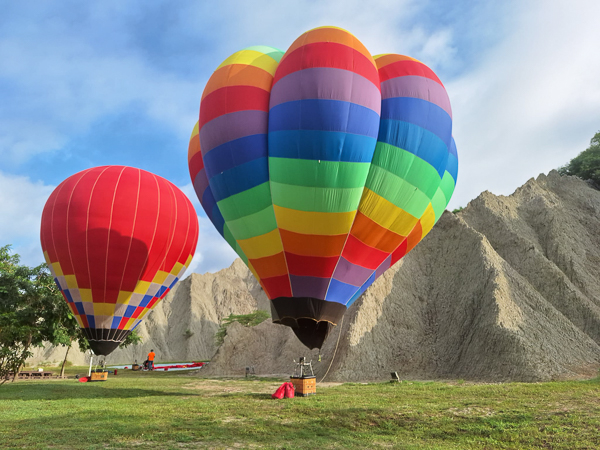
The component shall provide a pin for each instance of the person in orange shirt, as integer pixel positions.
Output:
(150, 360)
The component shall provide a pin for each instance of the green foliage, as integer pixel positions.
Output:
(460, 208)
(188, 333)
(247, 320)
(587, 164)
(32, 311)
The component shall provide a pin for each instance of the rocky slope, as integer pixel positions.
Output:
(507, 289)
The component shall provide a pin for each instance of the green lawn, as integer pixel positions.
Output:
(170, 410)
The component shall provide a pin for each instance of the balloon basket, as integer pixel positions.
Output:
(304, 386)
(99, 376)
(136, 367)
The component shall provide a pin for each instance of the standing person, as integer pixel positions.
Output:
(150, 360)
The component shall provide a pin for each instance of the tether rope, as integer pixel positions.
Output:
(335, 351)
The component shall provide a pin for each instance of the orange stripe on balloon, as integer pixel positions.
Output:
(389, 58)
(414, 237)
(238, 75)
(270, 266)
(374, 235)
(329, 34)
(311, 244)
(359, 253)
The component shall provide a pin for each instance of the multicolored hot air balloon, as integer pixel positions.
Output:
(322, 167)
(116, 240)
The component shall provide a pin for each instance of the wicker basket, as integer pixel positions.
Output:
(304, 386)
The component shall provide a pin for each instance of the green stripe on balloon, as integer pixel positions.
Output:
(447, 185)
(397, 191)
(308, 172)
(302, 198)
(439, 203)
(254, 225)
(246, 202)
(407, 166)
(274, 53)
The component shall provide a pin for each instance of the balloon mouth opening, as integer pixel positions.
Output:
(311, 319)
(308, 331)
(103, 341)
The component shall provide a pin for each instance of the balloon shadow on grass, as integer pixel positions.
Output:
(23, 391)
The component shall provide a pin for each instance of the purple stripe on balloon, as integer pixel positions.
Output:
(326, 83)
(349, 273)
(314, 287)
(232, 126)
(200, 183)
(385, 265)
(417, 87)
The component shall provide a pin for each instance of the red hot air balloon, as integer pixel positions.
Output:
(116, 240)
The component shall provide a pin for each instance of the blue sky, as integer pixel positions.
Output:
(84, 84)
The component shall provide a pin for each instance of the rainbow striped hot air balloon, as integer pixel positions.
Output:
(322, 167)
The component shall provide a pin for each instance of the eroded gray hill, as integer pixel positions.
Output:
(507, 289)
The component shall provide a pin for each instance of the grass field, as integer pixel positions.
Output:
(168, 410)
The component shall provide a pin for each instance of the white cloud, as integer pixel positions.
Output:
(21, 204)
(533, 103)
(213, 253)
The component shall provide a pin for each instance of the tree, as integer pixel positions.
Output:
(586, 165)
(33, 313)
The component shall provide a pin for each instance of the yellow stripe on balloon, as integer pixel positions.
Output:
(124, 297)
(57, 269)
(104, 309)
(252, 58)
(311, 222)
(71, 281)
(386, 214)
(86, 295)
(142, 287)
(260, 246)
(428, 219)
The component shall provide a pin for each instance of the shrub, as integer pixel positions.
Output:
(247, 320)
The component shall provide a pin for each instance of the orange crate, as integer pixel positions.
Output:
(304, 386)
(99, 376)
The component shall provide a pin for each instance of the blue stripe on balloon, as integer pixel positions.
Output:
(115, 322)
(173, 283)
(416, 140)
(129, 311)
(362, 289)
(234, 153)
(218, 220)
(91, 321)
(325, 115)
(239, 178)
(339, 292)
(452, 167)
(321, 145)
(419, 112)
(146, 300)
(68, 295)
(79, 307)
(452, 148)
